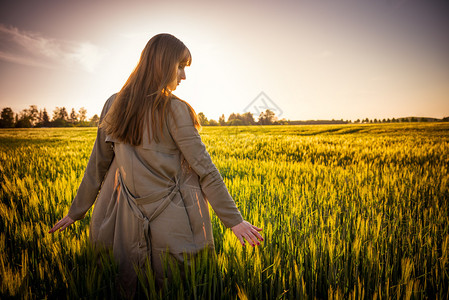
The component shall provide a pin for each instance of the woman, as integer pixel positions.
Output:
(155, 174)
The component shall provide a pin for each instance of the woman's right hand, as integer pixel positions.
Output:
(247, 231)
(62, 224)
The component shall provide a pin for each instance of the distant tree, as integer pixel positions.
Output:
(39, 122)
(23, 123)
(283, 121)
(45, 122)
(73, 116)
(212, 122)
(27, 117)
(33, 115)
(94, 120)
(266, 118)
(248, 119)
(64, 114)
(235, 122)
(366, 120)
(357, 121)
(7, 118)
(203, 119)
(222, 120)
(60, 113)
(232, 116)
(59, 123)
(270, 116)
(24, 119)
(413, 119)
(423, 120)
(60, 117)
(82, 114)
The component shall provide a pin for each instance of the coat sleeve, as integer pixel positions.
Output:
(189, 142)
(97, 167)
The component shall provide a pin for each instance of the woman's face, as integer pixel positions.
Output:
(180, 75)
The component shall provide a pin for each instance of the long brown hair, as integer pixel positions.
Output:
(146, 91)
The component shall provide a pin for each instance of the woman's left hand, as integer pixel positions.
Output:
(249, 232)
(62, 224)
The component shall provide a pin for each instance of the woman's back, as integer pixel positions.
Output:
(151, 166)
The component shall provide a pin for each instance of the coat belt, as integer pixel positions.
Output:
(133, 203)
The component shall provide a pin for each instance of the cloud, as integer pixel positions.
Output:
(34, 49)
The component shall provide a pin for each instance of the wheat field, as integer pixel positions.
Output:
(347, 211)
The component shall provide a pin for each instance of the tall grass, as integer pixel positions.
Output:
(348, 211)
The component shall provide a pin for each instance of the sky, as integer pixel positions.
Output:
(304, 59)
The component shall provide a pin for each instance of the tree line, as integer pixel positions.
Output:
(266, 117)
(32, 117)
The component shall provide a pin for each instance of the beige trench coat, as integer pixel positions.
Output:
(153, 197)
